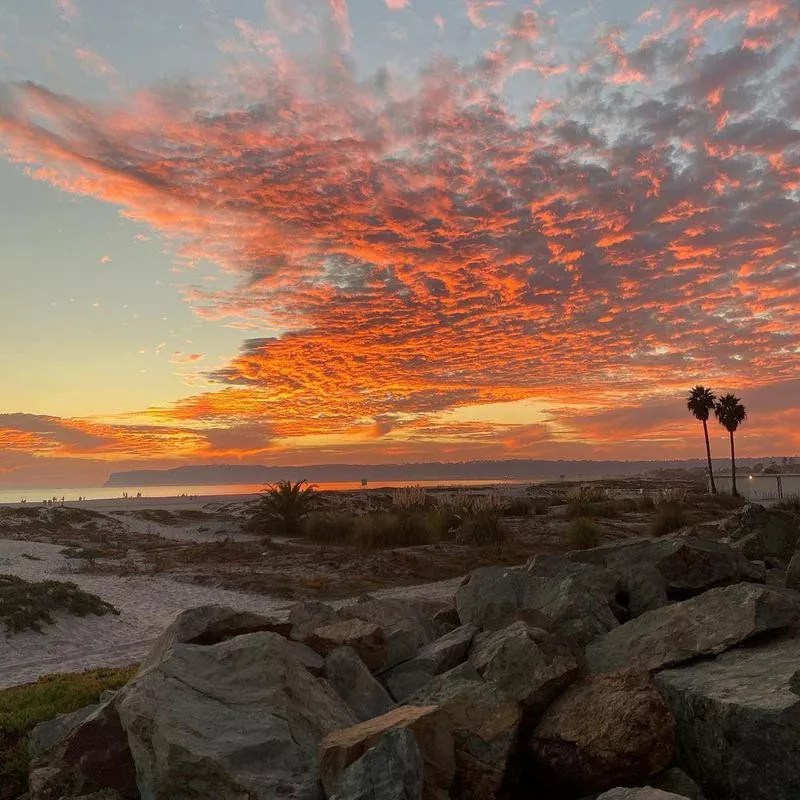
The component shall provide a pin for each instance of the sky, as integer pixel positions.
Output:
(374, 231)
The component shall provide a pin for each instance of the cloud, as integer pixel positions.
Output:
(67, 9)
(396, 5)
(422, 245)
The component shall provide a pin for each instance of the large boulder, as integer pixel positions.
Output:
(432, 659)
(644, 793)
(391, 770)
(485, 725)
(591, 576)
(762, 533)
(431, 730)
(351, 678)
(366, 638)
(705, 625)
(688, 566)
(407, 625)
(525, 663)
(604, 731)
(242, 717)
(443, 687)
(739, 721)
(494, 597)
(210, 624)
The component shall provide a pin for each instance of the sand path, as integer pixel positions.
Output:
(147, 605)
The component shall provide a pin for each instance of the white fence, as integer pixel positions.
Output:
(761, 487)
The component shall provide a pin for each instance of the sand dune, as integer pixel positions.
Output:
(147, 605)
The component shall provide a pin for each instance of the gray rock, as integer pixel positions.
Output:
(677, 781)
(208, 625)
(645, 588)
(407, 625)
(447, 685)
(763, 533)
(590, 576)
(705, 625)
(46, 735)
(644, 793)
(527, 664)
(494, 597)
(306, 617)
(687, 565)
(739, 721)
(354, 683)
(433, 659)
(105, 794)
(239, 718)
(392, 770)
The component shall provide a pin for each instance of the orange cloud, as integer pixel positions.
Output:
(426, 247)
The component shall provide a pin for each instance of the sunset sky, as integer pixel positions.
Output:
(315, 231)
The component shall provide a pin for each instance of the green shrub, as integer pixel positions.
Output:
(583, 533)
(578, 507)
(645, 503)
(541, 505)
(330, 527)
(410, 529)
(24, 604)
(518, 507)
(483, 530)
(24, 707)
(283, 508)
(668, 519)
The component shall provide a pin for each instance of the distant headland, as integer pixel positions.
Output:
(506, 470)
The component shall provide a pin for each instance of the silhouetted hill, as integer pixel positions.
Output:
(516, 469)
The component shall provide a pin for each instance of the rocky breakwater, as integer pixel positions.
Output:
(648, 670)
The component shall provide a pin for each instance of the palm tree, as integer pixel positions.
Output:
(701, 402)
(731, 413)
(287, 504)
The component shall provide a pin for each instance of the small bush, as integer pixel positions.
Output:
(789, 504)
(583, 534)
(645, 503)
(668, 519)
(331, 528)
(385, 530)
(24, 604)
(24, 707)
(541, 506)
(578, 507)
(483, 530)
(518, 507)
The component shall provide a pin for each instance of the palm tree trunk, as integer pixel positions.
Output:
(708, 453)
(734, 491)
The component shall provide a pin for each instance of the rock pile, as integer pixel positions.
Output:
(646, 670)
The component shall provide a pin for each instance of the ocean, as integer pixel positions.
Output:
(38, 495)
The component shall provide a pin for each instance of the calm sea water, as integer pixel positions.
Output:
(110, 493)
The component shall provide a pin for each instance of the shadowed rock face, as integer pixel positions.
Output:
(762, 533)
(739, 721)
(494, 597)
(240, 718)
(603, 731)
(705, 625)
(392, 770)
(351, 678)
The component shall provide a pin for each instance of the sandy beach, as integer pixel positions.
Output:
(147, 605)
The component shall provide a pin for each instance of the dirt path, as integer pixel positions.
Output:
(147, 605)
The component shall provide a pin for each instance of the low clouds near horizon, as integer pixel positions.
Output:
(420, 246)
